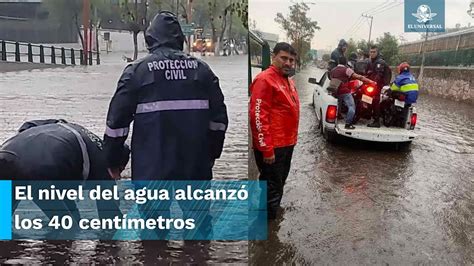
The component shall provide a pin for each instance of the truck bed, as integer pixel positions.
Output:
(382, 134)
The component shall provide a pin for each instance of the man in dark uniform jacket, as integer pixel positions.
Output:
(54, 150)
(337, 53)
(177, 107)
(377, 71)
(178, 113)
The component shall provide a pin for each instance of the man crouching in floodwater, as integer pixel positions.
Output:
(53, 150)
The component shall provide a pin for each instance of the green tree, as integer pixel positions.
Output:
(351, 47)
(388, 46)
(239, 30)
(217, 18)
(306, 53)
(238, 16)
(214, 15)
(299, 27)
(326, 57)
(68, 13)
(363, 45)
(134, 15)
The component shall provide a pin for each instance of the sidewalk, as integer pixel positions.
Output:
(21, 66)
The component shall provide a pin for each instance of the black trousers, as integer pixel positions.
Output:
(376, 104)
(275, 174)
(406, 110)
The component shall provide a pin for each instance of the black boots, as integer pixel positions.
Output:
(349, 126)
(376, 123)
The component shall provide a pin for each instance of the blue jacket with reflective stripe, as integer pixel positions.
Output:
(406, 83)
(43, 149)
(177, 107)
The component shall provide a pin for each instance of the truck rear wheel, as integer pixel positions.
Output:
(320, 123)
(329, 136)
(402, 146)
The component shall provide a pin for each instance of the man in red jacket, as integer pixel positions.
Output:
(274, 116)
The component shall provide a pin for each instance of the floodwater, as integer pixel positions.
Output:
(354, 202)
(81, 94)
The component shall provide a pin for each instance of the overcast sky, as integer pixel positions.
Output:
(342, 18)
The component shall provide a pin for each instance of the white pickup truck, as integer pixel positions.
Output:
(325, 105)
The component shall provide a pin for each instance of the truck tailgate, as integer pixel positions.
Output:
(382, 134)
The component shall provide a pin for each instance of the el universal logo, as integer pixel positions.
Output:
(424, 15)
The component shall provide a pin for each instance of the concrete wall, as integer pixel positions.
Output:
(455, 83)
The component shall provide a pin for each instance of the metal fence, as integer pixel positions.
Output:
(259, 54)
(464, 57)
(451, 49)
(453, 41)
(34, 53)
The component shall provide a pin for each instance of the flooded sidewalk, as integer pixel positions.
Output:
(357, 203)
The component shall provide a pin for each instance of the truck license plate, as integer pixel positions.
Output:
(367, 99)
(399, 103)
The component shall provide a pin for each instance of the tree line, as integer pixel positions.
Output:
(217, 18)
(300, 30)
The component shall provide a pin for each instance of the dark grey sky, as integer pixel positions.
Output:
(342, 18)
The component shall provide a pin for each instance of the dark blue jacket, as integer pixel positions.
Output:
(177, 107)
(378, 71)
(54, 150)
(335, 55)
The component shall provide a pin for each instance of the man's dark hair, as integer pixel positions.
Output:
(342, 60)
(283, 46)
(374, 47)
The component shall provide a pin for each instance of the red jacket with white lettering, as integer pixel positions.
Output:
(274, 111)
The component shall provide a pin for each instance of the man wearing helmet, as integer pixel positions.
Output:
(405, 82)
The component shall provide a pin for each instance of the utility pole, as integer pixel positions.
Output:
(189, 17)
(85, 21)
(136, 12)
(177, 9)
(371, 20)
(470, 12)
(422, 66)
(145, 16)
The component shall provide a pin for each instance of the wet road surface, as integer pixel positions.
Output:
(354, 202)
(81, 95)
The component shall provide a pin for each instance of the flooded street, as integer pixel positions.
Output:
(81, 95)
(354, 202)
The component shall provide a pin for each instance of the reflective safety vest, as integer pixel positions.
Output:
(405, 88)
(406, 83)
